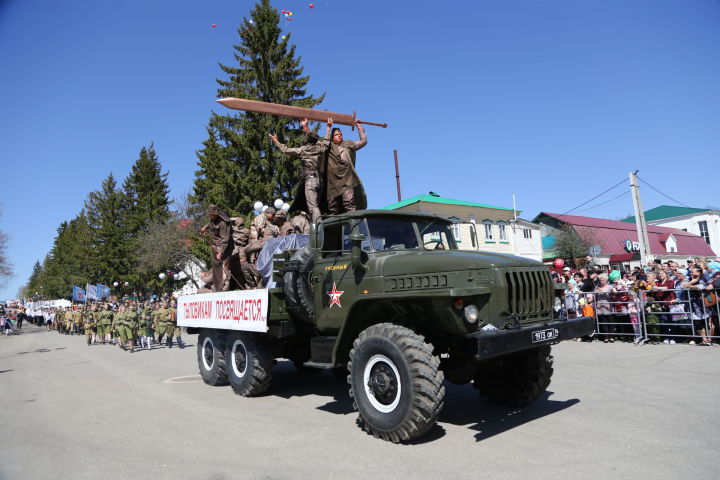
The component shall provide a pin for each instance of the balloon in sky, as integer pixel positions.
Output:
(213, 25)
(312, 5)
(283, 37)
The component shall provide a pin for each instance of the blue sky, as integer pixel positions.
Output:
(553, 100)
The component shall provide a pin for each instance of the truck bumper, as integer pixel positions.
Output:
(494, 343)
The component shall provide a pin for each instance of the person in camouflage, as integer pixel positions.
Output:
(163, 323)
(176, 331)
(60, 320)
(146, 325)
(68, 321)
(220, 228)
(312, 154)
(77, 321)
(105, 324)
(118, 325)
(89, 324)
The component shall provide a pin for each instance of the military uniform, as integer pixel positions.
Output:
(222, 245)
(146, 325)
(105, 325)
(164, 324)
(68, 321)
(89, 324)
(301, 223)
(60, 321)
(344, 191)
(77, 321)
(310, 187)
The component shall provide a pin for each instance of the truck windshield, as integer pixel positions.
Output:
(391, 234)
(436, 235)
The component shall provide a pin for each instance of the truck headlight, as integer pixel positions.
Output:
(471, 313)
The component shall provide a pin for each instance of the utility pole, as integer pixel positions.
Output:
(645, 253)
(397, 176)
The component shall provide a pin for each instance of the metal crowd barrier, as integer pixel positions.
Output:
(637, 316)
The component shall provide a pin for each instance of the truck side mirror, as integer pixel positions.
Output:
(356, 251)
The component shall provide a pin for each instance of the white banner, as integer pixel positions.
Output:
(235, 310)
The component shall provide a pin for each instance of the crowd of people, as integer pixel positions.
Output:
(128, 324)
(664, 302)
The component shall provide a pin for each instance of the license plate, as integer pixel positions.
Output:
(545, 335)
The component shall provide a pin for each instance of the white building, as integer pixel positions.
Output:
(703, 222)
(477, 226)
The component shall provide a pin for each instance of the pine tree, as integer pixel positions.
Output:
(237, 165)
(147, 192)
(106, 209)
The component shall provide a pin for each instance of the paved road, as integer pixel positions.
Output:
(68, 411)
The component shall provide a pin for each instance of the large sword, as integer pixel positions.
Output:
(293, 112)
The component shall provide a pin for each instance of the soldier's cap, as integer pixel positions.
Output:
(280, 214)
(270, 210)
(213, 210)
(238, 221)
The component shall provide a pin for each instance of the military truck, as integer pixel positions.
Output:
(387, 300)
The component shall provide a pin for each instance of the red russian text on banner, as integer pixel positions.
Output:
(235, 310)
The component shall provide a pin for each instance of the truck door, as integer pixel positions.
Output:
(334, 280)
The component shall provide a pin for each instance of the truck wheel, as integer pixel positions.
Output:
(296, 286)
(211, 358)
(516, 379)
(395, 382)
(249, 364)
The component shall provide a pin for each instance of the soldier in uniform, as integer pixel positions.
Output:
(286, 228)
(59, 320)
(164, 325)
(311, 155)
(128, 328)
(89, 324)
(68, 321)
(301, 223)
(146, 325)
(344, 190)
(240, 236)
(77, 320)
(106, 320)
(222, 246)
(175, 332)
(118, 325)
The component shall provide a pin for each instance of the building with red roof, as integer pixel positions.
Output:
(616, 243)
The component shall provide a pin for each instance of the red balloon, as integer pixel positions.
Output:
(213, 25)
(311, 5)
(559, 262)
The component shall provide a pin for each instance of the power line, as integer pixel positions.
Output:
(661, 193)
(612, 201)
(596, 196)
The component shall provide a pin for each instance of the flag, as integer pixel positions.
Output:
(91, 292)
(78, 294)
(102, 291)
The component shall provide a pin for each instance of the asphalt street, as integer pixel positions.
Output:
(69, 411)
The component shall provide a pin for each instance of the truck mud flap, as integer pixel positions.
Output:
(500, 342)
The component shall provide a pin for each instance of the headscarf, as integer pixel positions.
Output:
(714, 267)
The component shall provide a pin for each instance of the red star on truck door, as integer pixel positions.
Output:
(335, 296)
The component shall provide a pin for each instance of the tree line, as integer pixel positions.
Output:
(129, 233)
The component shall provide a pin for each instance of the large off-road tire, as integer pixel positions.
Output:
(395, 382)
(516, 379)
(296, 286)
(249, 363)
(211, 358)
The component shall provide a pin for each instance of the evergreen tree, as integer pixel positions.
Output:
(237, 165)
(106, 209)
(147, 192)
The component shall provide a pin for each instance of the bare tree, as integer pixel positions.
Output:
(574, 242)
(167, 245)
(6, 270)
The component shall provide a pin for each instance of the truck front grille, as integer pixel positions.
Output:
(530, 294)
